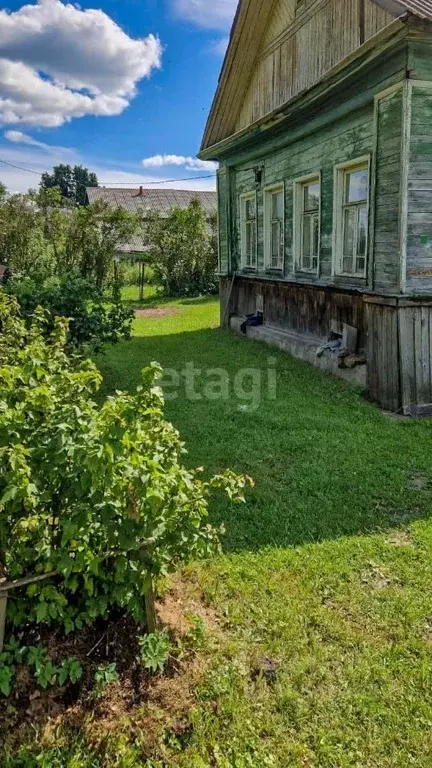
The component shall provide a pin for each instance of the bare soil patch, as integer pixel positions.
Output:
(138, 702)
(157, 312)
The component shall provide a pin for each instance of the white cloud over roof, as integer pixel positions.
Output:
(190, 163)
(58, 62)
(218, 14)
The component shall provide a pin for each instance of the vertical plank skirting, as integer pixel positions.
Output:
(383, 354)
(399, 353)
(416, 357)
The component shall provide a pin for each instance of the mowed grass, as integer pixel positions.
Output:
(327, 574)
(323, 595)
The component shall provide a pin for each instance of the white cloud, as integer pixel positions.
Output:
(108, 174)
(18, 137)
(219, 47)
(58, 62)
(190, 163)
(218, 14)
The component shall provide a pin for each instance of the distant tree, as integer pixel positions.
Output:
(3, 191)
(72, 181)
(183, 250)
(23, 246)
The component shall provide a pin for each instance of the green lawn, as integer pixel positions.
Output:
(324, 593)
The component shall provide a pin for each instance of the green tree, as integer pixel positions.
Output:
(183, 247)
(24, 248)
(72, 181)
(100, 232)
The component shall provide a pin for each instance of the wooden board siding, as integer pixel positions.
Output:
(321, 35)
(282, 17)
(416, 356)
(383, 373)
(389, 122)
(343, 141)
(222, 177)
(419, 210)
(336, 131)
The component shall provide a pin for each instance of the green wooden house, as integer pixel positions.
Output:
(322, 125)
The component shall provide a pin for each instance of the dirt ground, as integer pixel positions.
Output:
(156, 312)
(143, 702)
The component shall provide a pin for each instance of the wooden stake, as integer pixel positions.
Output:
(150, 610)
(3, 607)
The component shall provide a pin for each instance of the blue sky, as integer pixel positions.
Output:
(122, 86)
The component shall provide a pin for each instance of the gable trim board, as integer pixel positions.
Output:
(248, 33)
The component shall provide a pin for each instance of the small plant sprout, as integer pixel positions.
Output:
(155, 651)
(105, 675)
(196, 637)
(71, 670)
(7, 674)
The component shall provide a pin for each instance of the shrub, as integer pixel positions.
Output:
(96, 493)
(183, 247)
(92, 319)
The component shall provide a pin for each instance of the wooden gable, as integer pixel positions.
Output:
(280, 48)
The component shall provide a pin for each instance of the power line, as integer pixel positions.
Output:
(113, 183)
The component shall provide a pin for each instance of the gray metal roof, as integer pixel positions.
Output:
(141, 200)
(420, 8)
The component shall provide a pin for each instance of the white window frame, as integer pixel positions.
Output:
(298, 216)
(268, 192)
(340, 172)
(243, 238)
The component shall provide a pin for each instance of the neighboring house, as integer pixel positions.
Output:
(143, 201)
(322, 125)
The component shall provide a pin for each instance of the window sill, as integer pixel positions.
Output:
(306, 272)
(349, 276)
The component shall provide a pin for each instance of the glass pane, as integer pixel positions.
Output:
(347, 264)
(250, 243)
(356, 185)
(250, 208)
(362, 231)
(361, 263)
(306, 244)
(275, 240)
(277, 205)
(350, 220)
(311, 198)
(315, 235)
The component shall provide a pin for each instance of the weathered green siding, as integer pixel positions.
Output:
(222, 191)
(419, 208)
(386, 206)
(346, 139)
(366, 119)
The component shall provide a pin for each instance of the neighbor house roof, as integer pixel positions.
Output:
(142, 200)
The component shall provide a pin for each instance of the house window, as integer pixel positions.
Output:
(351, 218)
(307, 222)
(274, 224)
(248, 214)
